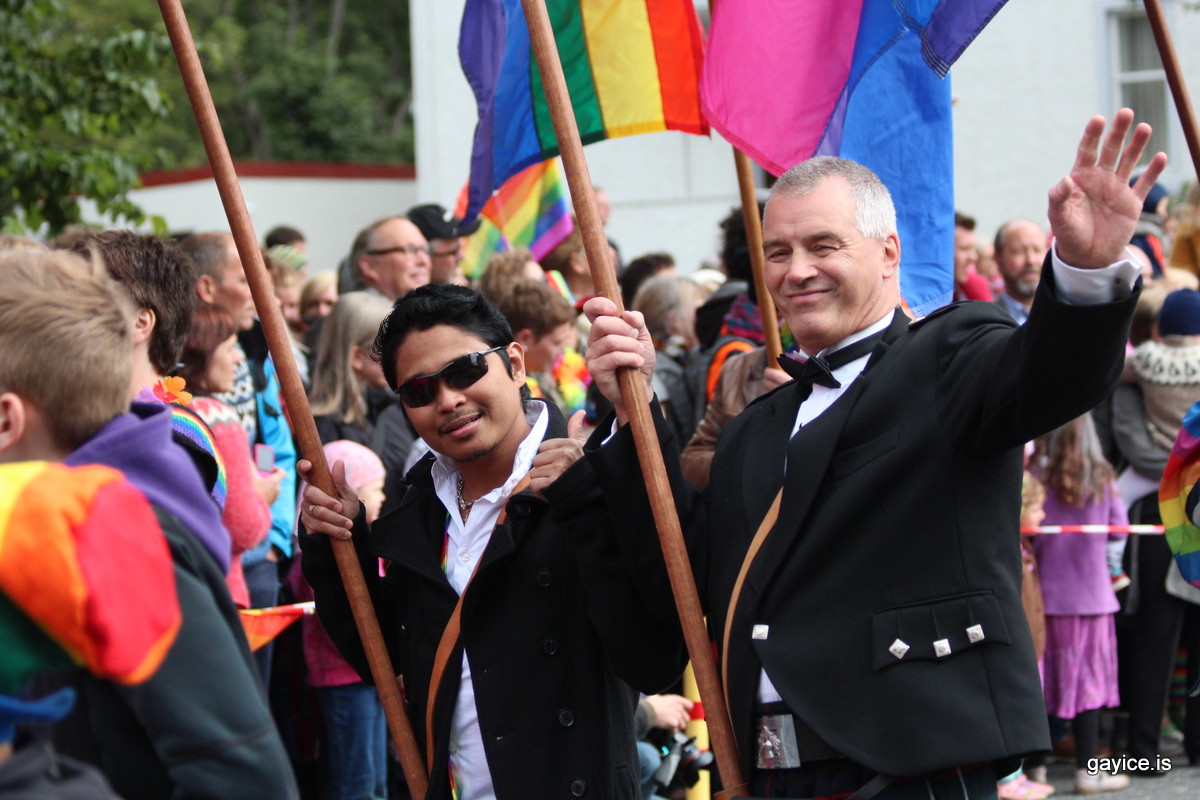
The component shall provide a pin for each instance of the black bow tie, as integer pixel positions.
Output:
(819, 370)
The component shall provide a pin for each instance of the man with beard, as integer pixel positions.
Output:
(1020, 249)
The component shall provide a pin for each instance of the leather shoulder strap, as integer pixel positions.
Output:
(756, 543)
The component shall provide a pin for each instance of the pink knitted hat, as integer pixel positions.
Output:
(362, 465)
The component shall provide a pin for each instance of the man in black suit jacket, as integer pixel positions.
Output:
(879, 628)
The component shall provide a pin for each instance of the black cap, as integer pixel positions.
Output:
(436, 223)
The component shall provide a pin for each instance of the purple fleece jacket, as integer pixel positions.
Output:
(140, 445)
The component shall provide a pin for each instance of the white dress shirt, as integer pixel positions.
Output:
(465, 543)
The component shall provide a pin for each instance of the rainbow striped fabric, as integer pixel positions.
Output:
(631, 66)
(83, 557)
(188, 425)
(1179, 480)
(530, 211)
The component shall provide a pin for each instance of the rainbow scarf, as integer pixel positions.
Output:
(572, 379)
(71, 539)
(190, 430)
(1179, 480)
(529, 211)
(631, 66)
(187, 424)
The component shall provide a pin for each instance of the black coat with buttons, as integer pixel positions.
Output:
(552, 660)
(885, 603)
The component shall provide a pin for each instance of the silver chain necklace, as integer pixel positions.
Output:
(463, 505)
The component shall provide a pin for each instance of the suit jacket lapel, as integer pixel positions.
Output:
(808, 456)
(411, 535)
(765, 447)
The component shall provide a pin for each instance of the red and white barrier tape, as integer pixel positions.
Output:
(1138, 529)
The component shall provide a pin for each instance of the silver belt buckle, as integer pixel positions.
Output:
(777, 745)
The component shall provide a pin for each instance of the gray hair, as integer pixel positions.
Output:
(875, 214)
(668, 303)
(209, 252)
(1002, 233)
(362, 243)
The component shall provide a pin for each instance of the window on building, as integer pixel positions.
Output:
(1139, 81)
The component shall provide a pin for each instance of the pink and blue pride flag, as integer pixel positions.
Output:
(631, 66)
(862, 79)
(1178, 497)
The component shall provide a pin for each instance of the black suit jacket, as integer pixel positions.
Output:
(899, 523)
(552, 663)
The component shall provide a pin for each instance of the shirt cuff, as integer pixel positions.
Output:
(612, 432)
(1090, 287)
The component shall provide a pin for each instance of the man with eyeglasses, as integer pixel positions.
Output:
(390, 257)
(535, 699)
(445, 234)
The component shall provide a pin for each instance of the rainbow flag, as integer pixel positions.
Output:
(530, 211)
(862, 79)
(71, 539)
(1179, 482)
(631, 66)
(264, 624)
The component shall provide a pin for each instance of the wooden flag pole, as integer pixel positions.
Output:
(633, 393)
(293, 390)
(1183, 104)
(754, 242)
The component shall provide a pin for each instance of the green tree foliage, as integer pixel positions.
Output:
(90, 94)
(292, 80)
(68, 106)
(320, 81)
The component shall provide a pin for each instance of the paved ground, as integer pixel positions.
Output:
(1181, 783)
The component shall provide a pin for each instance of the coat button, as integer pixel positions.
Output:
(519, 509)
(566, 718)
(544, 578)
(578, 788)
(549, 646)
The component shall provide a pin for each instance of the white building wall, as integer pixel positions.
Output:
(1023, 92)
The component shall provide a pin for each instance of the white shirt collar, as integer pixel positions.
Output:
(445, 472)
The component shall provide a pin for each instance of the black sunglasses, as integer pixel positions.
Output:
(460, 373)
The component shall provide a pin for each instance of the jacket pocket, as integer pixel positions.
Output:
(854, 458)
(936, 630)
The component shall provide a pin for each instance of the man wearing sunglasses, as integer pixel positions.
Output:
(535, 699)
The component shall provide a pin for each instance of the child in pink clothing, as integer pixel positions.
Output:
(1080, 663)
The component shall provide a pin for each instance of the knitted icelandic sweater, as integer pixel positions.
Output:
(1168, 373)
